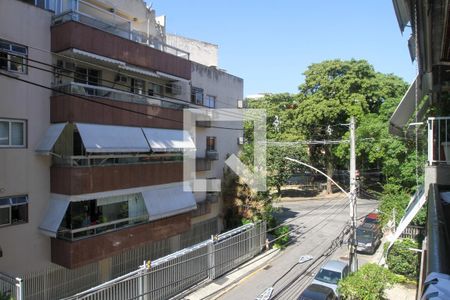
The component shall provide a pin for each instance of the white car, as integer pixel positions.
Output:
(330, 274)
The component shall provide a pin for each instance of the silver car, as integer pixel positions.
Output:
(330, 274)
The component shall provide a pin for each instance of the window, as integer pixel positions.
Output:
(210, 101)
(13, 57)
(12, 133)
(13, 210)
(197, 95)
(87, 76)
(137, 86)
(210, 143)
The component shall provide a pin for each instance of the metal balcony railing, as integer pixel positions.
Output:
(111, 160)
(114, 24)
(96, 229)
(114, 94)
(212, 154)
(439, 140)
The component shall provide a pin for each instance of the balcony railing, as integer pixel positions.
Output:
(439, 140)
(88, 231)
(116, 25)
(110, 160)
(114, 94)
(212, 154)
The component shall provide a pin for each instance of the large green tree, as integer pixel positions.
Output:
(333, 91)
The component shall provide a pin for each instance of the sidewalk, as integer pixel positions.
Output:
(219, 286)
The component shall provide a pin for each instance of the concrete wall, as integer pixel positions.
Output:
(227, 89)
(201, 52)
(21, 170)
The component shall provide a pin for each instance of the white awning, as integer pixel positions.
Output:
(168, 201)
(56, 210)
(108, 138)
(406, 109)
(138, 70)
(403, 14)
(50, 137)
(97, 57)
(415, 204)
(168, 140)
(171, 77)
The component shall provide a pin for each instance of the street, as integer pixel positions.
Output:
(315, 224)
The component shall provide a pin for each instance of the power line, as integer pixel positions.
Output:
(104, 67)
(105, 104)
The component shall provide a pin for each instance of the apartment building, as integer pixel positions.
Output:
(92, 140)
(426, 105)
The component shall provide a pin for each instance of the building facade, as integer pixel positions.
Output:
(92, 140)
(425, 106)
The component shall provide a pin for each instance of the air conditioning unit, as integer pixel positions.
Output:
(121, 78)
(241, 140)
(240, 103)
(173, 88)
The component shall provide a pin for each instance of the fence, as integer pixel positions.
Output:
(438, 140)
(414, 232)
(10, 288)
(172, 274)
(56, 282)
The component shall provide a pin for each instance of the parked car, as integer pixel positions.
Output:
(368, 237)
(317, 292)
(372, 218)
(330, 274)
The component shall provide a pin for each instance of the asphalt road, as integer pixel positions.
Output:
(314, 224)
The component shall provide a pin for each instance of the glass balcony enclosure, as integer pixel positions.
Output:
(109, 20)
(97, 216)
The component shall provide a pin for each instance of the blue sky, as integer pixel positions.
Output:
(271, 43)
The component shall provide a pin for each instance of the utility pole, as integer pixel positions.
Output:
(353, 260)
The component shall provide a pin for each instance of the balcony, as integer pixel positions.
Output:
(102, 110)
(68, 180)
(73, 254)
(212, 197)
(439, 141)
(212, 154)
(73, 34)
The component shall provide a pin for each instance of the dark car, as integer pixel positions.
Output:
(368, 237)
(317, 292)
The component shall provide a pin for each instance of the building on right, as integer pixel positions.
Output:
(427, 103)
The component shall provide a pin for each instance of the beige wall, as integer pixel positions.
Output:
(227, 89)
(201, 52)
(21, 170)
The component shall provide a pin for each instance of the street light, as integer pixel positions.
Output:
(353, 258)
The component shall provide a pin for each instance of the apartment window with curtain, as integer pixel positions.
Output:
(211, 143)
(13, 57)
(12, 133)
(13, 210)
(210, 101)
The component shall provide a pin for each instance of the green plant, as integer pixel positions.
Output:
(402, 260)
(368, 283)
(282, 236)
(6, 296)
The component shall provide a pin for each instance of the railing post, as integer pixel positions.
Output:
(19, 290)
(211, 265)
(430, 142)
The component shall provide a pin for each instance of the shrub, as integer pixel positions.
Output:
(368, 283)
(401, 260)
(282, 236)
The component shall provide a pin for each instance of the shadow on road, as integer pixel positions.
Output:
(283, 213)
(299, 193)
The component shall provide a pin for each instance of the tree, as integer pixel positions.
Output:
(333, 91)
(368, 283)
(403, 260)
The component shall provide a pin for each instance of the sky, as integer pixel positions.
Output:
(271, 43)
